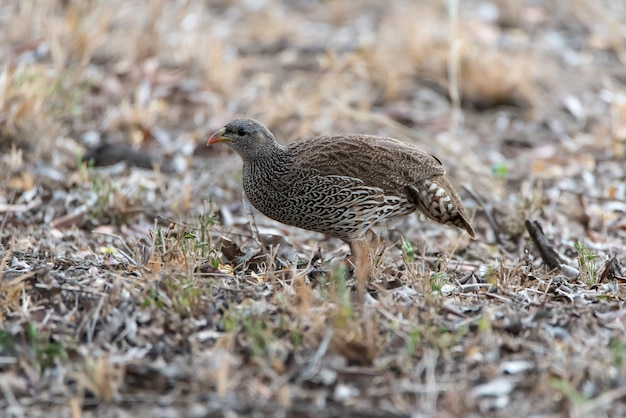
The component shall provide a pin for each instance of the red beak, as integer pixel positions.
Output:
(217, 137)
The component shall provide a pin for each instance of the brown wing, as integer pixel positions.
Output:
(382, 162)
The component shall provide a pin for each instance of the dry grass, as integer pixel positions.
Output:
(159, 292)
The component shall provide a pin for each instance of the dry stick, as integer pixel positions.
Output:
(170, 221)
(88, 321)
(125, 255)
(17, 280)
(14, 405)
(8, 253)
(549, 256)
(148, 257)
(430, 359)
(609, 268)
(313, 366)
(304, 272)
(4, 219)
(255, 228)
(271, 261)
(78, 289)
(603, 400)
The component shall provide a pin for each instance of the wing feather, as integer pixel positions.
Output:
(381, 162)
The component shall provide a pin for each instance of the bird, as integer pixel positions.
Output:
(342, 185)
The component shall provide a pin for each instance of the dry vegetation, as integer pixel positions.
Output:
(146, 286)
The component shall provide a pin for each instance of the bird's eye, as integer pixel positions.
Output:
(241, 132)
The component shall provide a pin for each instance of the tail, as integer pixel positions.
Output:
(436, 198)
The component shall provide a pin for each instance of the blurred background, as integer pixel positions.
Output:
(516, 97)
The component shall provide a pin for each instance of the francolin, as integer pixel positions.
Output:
(341, 185)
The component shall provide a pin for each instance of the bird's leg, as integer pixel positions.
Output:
(362, 264)
(374, 242)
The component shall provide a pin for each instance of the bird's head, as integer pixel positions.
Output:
(248, 137)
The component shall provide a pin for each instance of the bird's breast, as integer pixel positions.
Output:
(266, 186)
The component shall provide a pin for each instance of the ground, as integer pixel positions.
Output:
(135, 280)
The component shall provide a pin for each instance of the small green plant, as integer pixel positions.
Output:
(186, 295)
(617, 347)
(191, 247)
(180, 293)
(153, 297)
(587, 263)
(500, 170)
(296, 339)
(259, 337)
(101, 188)
(187, 245)
(7, 345)
(207, 220)
(82, 166)
(438, 278)
(484, 325)
(254, 328)
(194, 242)
(230, 320)
(574, 396)
(338, 292)
(46, 353)
(415, 338)
(408, 252)
(159, 242)
(445, 337)
(64, 101)
(339, 286)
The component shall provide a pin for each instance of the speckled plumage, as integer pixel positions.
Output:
(341, 185)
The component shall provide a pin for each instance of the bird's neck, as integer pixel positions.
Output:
(270, 154)
(272, 163)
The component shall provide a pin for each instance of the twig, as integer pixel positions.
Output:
(14, 409)
(4, 222)
(549, 256)
(464, 287)
(609, 269)
(254, 228)
(7, 254)
(313, 365)
(126, 255)
(603, 400)
(497, 296)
